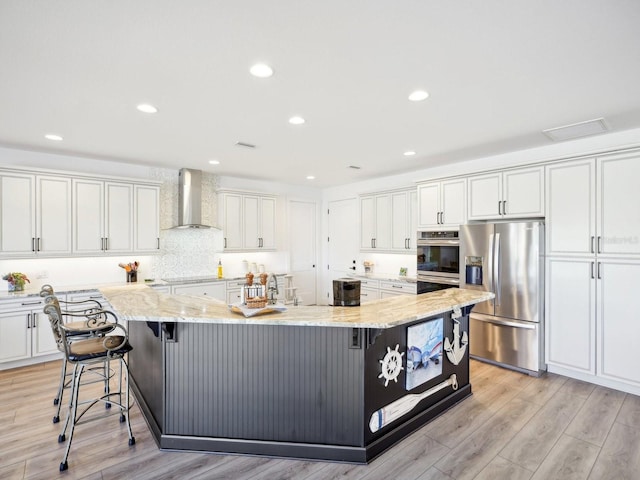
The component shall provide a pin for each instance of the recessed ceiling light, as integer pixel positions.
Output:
(418, 96)
(296, 120)
(147, 108)
(214, 162)
(310, 177)
(55, 138)
(409, 153)
(261, 70)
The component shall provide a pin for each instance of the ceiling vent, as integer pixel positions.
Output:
(577, 130)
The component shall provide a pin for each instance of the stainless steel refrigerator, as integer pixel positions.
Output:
(508, 260)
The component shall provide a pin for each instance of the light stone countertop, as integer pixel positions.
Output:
(135, 302)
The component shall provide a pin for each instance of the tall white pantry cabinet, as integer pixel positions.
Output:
(593, 269)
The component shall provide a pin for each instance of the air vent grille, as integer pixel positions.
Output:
(577, 130)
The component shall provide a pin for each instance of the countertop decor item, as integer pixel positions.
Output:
(131, 269)
(16, 281)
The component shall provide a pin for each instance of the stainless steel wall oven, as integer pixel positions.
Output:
(438, 261)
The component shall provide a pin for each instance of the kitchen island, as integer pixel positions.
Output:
(315, 382)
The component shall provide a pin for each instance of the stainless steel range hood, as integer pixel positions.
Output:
(190, 199)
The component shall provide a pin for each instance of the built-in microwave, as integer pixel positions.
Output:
(438, 260)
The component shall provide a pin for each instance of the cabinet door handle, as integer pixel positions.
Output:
(33, 244)
(225, 242)
(39, 245)
(593, 243)
(372, 243)
(504, 207)
(599, 244)
(592, 270)
(24, 304)
(442, 218)
(599, 272)
(158, 243)
(106, 243)
(28, 320)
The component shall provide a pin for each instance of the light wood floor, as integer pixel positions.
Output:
(513, 427)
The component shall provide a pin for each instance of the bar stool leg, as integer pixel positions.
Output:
(58, 400)
(71, 417)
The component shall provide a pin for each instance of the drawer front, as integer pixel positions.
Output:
(399, 287)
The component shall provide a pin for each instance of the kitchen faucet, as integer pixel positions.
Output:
(272, 288)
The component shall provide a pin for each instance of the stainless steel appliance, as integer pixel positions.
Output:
(438, 261)
(346, 292)
(507, 259)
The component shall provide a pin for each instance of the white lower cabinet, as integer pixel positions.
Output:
(571, 314)
(591, 326)
(24, 330)
(393, 289)
(376, 289)
(234, 291)
(217, 290)
(618, 329)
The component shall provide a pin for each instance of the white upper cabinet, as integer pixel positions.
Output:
(35, 214)
(618, 205)
(146, 219)
(404, 224)
(387, 221)
(517, 193)
(442, 204)
(375, 221)
(571, 208)
(248, 221)
(103, 217)
(591, 207)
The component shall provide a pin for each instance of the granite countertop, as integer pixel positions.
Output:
(135, 302)
(90, 287)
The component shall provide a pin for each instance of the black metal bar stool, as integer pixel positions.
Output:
(95, 323)
(84, 354)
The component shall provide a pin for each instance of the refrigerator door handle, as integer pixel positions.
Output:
(496, 267)
(490, 264)
(506, 323)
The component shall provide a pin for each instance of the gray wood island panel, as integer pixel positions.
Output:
(270, 386)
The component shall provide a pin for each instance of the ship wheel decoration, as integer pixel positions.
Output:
(391, 365)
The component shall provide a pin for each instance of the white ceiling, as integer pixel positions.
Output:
(498, 73)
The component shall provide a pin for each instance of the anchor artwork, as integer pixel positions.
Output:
(458, 346)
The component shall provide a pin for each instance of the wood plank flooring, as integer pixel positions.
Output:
(514, 427)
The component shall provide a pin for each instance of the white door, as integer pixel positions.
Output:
(267, 223)
(342, 251)
(232, 220)
(485, 191)
(367, 222)
(119, 217)
(618, 328)
(53, 199)
(523, 193)
(453, 205)
(17, 214)
(571, 208)
(147, 218)
(15, 336)
(618, 201)
(251, 215)
(400, 217)
(570, 313)
(88, 216)
(429, 205)
(303, 254)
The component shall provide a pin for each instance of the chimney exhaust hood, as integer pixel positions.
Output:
(190, 199)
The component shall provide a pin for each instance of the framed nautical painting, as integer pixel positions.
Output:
(424, 352)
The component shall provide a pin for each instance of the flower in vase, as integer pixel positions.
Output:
(16, 280)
